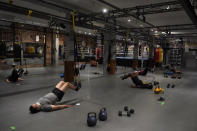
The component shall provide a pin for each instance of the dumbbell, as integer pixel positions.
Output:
(168, 86)
(120, 113)
(132, 111)
(173, 86)
(126, 108)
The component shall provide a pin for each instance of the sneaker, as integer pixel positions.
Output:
(123, 77)
(161, 99)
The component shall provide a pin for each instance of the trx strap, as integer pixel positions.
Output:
(76, 70)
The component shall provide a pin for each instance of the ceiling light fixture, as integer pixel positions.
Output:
(168, 7)
(129, 20)
(105, 10)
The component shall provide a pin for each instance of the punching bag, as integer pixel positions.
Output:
(160, 55)
(31, 50)
(97, 53)
(157, 55)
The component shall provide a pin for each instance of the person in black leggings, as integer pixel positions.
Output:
(139, 83)
(15, 75)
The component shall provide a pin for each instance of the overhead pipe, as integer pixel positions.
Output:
(156, 5)
(99, 19)
(47, 16)
(39, 14)
(82, 14)
(117, 8)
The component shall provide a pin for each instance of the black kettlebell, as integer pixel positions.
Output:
(103, 114)
(91, 120)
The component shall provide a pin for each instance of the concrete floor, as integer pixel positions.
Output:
(177, 114)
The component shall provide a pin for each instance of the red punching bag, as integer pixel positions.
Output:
(156, 55)
(98, 53)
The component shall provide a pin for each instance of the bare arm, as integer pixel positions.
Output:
(59, 107)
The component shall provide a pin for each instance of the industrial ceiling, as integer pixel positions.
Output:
(163, 18)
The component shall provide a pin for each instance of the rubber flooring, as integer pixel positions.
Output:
(178, 112)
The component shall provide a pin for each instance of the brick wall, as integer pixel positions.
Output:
(30, 36)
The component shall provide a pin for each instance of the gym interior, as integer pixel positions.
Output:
(132, 65)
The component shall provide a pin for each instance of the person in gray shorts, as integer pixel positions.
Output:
(48, 102)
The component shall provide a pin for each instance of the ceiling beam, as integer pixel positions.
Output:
(156, 5)
(145, 9)
(43, 15)
(189, 9)
(168, 26)
(47, 16)
(110, 5)
(117, 8)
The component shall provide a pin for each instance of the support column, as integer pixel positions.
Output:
(69, 56)
(106, 52)
(53, 43)
(112, 69)
(109, 52)
(135, 53)
(48, 48)
(151, 54)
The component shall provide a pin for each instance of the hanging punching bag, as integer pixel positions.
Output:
(160, 55)
(157, 55)
(97, 53)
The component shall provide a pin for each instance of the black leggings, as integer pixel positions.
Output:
(139, 83)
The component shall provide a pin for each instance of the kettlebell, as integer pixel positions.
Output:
(91, 120)
(157, 90)
(103, 114)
